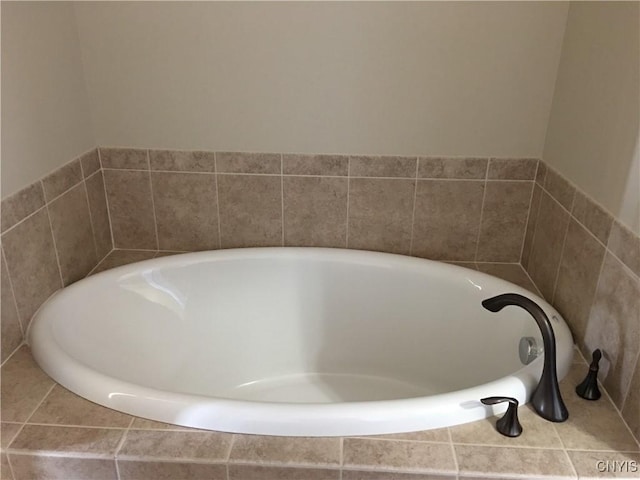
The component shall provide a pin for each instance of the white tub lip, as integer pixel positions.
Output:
(74, 375)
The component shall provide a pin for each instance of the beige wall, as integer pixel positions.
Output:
(594, 126)
(384, 78)
(45, 112)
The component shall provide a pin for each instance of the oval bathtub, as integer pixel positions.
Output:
(292, 341)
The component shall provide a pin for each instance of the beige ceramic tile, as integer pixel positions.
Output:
(8, 432)
(255, 472)
(373, 475)
(35, 467)
(559, 188)
(315, 211)
(437, 435)
(511, 272)
(250, 210)
(626, 246)
(90, 163)
(99, 214)
(380, 212)
(124, 158)
(23, 386)
(403, 456)
(593, 216)
(71, 226)
(592, 425)
(62, 179)
(613, 326)
(131, 209)
(531, 225)
(44, 439)
(326, 165)
(546, 249)
(458, 168)
(61, 407)
(21, 204)
(504, 221)
(5, 468)
(182, 161)
(446, 219)
(11, 334)
(32, 264)
(578, 278)
(240, 162)
(591, 465)
(512, 168)
(386, 166)
(537, 432)
(501, 462)
(117, 258)
(631, 410)
(186, 211)
(148, 470)
(299, 451)
(183, 446)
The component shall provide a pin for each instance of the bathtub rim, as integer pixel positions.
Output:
(244, 416)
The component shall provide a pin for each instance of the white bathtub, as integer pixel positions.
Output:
(292, 341)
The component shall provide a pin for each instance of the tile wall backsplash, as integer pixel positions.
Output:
(53, 233)
(428, 207)
(453, 209)
(587, 265)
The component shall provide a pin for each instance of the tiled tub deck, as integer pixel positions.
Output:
(50, 433)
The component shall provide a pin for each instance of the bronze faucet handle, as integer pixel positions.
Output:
(508, 425)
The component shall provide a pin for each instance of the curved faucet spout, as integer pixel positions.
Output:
(546, 398)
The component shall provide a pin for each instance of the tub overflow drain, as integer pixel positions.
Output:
(529, 350)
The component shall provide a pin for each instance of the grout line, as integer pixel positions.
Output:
(215, 167)
(346, 241)
(231, 443)
(23, 344)
(153, 202)
(526, 223)
(15, 435)
(564, 243)
(120, 445)
(100, 263)
(106, 199)
(539, 293)
(10, 466)
(453, 451)
(413, 212)
(13, 295)
(24, 219)
(93, 230)
(71, 425)
(39, 404)
(46, 204)
(282, 198)
(573, 468)
(55, 248)
(320, 175)
(484, 195)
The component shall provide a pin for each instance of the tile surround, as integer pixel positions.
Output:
(564, 237)
(587, 264)
(70, 437)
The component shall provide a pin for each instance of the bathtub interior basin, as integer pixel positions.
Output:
(292, 341)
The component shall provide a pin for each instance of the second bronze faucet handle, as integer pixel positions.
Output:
(508, 425)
